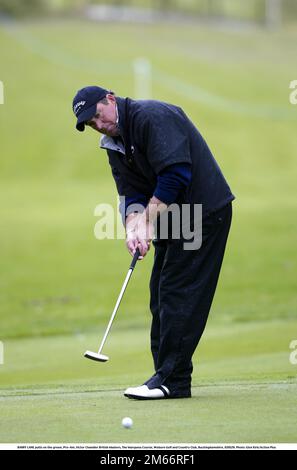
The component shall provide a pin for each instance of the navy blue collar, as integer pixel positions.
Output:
(124, 124)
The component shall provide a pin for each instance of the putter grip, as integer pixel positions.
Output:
(135, 258)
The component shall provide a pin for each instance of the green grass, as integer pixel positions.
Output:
(58, 284)
(242, 385)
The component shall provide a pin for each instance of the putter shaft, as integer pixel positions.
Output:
(115, 310)
(98, 356)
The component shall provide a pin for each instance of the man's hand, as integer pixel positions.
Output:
(131, 238)
(144, 233)
(139, 234)
(140, 227)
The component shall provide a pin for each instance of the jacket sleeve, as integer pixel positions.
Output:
(171, 181)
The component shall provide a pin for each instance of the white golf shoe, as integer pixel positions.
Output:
(144, 393)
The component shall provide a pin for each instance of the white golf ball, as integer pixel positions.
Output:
(127, 422)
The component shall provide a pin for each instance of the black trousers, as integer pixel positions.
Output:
(182, 287)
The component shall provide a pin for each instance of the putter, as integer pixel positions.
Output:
(98, 356)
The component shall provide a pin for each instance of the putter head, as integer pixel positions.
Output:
(96, 357)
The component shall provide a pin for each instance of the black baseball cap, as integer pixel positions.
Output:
(84, 104)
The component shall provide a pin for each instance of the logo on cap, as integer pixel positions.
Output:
(77, 107)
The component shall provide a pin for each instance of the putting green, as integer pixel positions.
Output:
(244, 389)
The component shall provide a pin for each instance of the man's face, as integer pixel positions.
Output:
(105, 118)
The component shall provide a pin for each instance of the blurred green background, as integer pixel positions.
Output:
(57, 280)
(254, 10)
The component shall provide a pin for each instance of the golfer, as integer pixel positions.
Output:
(158, 159)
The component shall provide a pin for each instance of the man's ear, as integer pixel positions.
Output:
(111, 97)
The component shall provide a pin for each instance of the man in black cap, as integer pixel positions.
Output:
(158, 158)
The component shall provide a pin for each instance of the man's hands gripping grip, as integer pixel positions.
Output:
(140, 227)
(139, 233)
